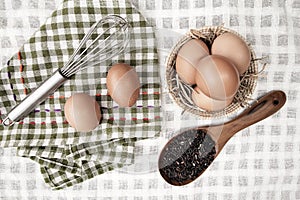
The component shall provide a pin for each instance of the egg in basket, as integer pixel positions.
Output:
(212, 72)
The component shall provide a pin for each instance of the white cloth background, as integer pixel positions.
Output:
(260, 162)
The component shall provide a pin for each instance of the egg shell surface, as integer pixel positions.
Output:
(207, 103)
(217, 77)
(188, 56)
(123, 84)
(82, 112)
(234, 48)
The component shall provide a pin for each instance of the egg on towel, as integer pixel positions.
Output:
(82, 112)
(123, 84)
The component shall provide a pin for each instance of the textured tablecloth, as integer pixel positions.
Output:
(260, 162)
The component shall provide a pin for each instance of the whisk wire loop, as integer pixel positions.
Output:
(97, 54)
(107, 44)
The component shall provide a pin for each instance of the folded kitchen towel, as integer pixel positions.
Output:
(66, 156)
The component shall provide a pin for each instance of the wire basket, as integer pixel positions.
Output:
(182, 92)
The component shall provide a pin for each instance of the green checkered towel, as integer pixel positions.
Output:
(68, 157)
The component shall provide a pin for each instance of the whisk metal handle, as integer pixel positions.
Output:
(35, 98)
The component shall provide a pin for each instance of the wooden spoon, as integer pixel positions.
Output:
(187, 155)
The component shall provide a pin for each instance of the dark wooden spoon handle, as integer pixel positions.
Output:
(264, 107)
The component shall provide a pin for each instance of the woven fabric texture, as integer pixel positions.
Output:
(66, 156)
(261, 162)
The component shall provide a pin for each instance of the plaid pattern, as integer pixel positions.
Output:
(68, 157)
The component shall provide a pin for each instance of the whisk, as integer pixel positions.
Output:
(105, 39)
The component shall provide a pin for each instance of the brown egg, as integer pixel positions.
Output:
(217, 77)
(188, 57)
(82, 112)
(234, 48)
(123, 84)
(208, 103)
